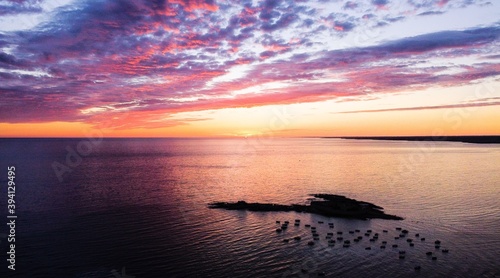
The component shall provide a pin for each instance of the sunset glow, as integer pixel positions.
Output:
(249, 68)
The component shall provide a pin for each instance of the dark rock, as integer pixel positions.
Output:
(331, 206)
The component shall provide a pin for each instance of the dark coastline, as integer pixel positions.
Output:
(486, 139)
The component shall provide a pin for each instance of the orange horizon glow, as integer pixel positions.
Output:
(258, 69)
(440, 122)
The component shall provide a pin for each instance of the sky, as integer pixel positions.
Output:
(179, 68)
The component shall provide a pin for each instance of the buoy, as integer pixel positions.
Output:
(445, 250)
(428, 253)
(382, 246)
(368, 248)
(417, 235)
(310, 243)
(412, 244)
(434, 258)
(394, 246)
(385, 231)
(278, 230)
(307, 225)
(297, 238)
(422, 239)
(437, 242)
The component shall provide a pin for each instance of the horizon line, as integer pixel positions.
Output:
(257, 136)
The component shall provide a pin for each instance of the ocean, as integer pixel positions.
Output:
(138, 207)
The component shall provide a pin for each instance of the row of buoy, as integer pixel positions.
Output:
(347, 243)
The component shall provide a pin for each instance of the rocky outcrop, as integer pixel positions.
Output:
(330, 205)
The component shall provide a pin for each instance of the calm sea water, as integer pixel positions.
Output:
(138, 207)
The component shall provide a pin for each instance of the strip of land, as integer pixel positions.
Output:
(331, 206)
(483, 139)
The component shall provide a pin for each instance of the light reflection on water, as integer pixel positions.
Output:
(142, 204)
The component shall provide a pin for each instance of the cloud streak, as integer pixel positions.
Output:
(431, 107)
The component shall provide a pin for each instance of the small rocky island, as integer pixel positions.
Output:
(330, 206)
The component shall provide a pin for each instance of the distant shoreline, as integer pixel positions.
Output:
(484, 139)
